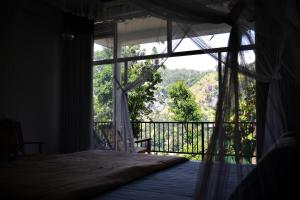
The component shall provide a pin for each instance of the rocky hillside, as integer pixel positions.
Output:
(204, 86)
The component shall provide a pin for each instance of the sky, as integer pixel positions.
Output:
(202, 62)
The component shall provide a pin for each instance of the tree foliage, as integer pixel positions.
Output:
(182, 103)
(102, 87)
(139, 100)
(247, 101)
(247, 113)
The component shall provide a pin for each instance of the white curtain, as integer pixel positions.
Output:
(124, 133)
(270, 62)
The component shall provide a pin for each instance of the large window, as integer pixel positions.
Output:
(192, 61)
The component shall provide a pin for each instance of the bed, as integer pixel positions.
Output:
(175, 183)
(78, 175)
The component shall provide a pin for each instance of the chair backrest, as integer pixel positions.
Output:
(11, 139)
(104, 138)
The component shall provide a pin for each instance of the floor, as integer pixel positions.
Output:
(176, 183)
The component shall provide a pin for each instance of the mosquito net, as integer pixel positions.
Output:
(273, 27)
(277, 85)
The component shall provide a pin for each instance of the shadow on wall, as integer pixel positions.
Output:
(30, 71)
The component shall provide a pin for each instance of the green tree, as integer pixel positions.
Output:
(182, 103)
(247, 113)
(184, 108)
(247, 101)
(102, 85)
(103, 54)
(139, 100)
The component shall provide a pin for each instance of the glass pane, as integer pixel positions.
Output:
(249, 38)
(104, 41)
(247, 58)
(197, 74)
(142, 36)
(102, 92)
(247, 107)
(103, 49)
(203, 36)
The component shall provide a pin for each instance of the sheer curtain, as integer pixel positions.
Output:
(275, 67)
(124, 136)
(124, 128)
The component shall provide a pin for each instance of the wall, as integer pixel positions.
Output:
(30, 65)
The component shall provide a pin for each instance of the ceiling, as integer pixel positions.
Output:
(149, 29)
(136, 26)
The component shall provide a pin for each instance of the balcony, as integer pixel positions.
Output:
(189, 139)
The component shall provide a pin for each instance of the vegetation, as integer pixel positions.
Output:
(247, 113)
(102, 88)
(174, 95)
(140, 100)
(182, 103)
(202, 85)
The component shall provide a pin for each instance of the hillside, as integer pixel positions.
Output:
(204, 86)
(206, 94)
(170, 76)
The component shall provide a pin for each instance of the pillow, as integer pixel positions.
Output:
(277, 174)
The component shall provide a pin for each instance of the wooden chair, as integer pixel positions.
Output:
(11, 140)
(105, 139)
(146, 148)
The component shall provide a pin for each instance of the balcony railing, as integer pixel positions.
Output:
(186, 137)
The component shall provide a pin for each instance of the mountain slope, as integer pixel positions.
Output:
(204, 85)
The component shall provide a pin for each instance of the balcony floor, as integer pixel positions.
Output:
(176, 183)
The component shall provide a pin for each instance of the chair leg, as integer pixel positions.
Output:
(149, 146)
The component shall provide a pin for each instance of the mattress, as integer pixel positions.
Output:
(76, 176)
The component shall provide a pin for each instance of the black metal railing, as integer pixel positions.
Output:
(189, 137)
